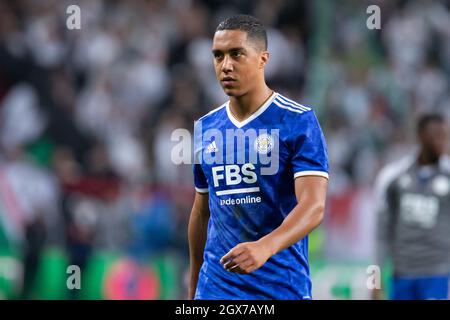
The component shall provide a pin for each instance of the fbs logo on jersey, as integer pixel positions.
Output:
(263, 143)
(211, 147)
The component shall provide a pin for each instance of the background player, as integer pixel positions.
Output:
(414, 218)
(256, 249)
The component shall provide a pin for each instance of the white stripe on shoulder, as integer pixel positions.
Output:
(286, 107)
(288, 104)
(389, 173)
(287, 100)
(212, 111)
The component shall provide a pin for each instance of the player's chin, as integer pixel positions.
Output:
(231, 91)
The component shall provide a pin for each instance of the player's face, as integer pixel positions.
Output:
(436, 138)
(237, 61)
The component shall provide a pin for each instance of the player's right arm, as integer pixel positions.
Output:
(197, 231)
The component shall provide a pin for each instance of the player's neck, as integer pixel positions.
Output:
(426, 158)
(244, 106)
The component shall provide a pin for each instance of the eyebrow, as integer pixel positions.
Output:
(214, 51)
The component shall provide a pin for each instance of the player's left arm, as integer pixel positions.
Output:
(311, 192)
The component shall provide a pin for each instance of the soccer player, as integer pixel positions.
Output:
(249, 225)
(414, 216)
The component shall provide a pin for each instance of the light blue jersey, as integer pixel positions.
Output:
(248, 168)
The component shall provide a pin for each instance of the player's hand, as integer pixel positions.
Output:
(246, 257)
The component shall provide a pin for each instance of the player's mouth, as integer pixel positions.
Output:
(227, 81)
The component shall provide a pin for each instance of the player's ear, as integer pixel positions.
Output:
(264, 58)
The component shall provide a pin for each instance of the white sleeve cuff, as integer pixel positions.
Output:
(201, 190)
(311, 173)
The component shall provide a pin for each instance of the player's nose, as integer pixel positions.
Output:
(227, 64)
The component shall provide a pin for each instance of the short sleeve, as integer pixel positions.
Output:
(310, 156)
(200, 181)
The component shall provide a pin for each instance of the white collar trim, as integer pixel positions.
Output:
(253, 116)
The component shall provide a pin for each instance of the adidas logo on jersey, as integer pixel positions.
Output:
(211, 147)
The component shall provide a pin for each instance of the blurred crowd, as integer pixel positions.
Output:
(86, 116)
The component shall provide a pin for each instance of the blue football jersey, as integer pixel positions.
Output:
(248, 168)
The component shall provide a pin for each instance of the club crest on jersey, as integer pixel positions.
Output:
(441, 186)
(264, 143)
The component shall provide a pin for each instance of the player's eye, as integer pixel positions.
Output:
(217, 55)
(236, 53)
